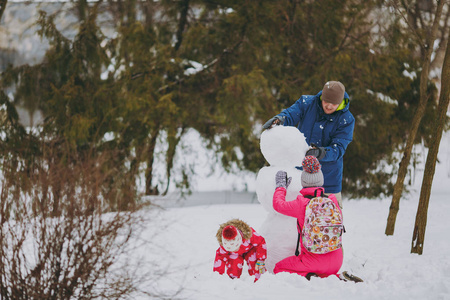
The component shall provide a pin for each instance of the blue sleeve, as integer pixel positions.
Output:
(340, 139)
(296, 112)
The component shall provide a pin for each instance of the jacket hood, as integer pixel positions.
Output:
(239, 224)
(309, 191)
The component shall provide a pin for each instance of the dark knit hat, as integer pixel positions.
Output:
(333, 92)
(312, 175)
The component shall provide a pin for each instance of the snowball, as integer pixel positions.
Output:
(283, 146)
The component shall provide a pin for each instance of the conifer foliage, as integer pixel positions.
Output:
(221, 68)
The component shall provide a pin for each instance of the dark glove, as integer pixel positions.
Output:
(316, 151)
(281, 179)
(277, 120)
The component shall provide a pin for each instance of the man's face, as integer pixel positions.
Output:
(329, 108)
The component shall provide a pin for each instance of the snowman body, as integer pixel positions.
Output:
(283, 147)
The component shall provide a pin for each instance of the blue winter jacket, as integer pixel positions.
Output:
(333, 132)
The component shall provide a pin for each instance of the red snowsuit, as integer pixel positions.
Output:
(322, 265)
(251, 250)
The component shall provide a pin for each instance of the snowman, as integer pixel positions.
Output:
(283, 147)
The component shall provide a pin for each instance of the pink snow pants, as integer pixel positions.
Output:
(322, 265)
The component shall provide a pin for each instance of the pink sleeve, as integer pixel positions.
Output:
(289, 208)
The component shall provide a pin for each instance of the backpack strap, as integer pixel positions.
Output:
(297, 252)
(315, 193)
(298, 239)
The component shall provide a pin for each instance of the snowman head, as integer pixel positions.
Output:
(283, 146)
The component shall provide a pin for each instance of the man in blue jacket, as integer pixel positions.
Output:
(327, 124)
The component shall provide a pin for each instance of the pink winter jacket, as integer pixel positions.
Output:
(322, 265)
(297, 207)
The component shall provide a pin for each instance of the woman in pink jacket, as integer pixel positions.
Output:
(306, 264)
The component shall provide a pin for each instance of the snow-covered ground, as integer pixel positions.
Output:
(183, 245)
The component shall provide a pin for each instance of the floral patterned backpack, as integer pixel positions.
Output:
(323, 227)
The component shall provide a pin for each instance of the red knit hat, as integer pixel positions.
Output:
(231, 238)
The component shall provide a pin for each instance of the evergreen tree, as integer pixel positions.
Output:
(221, 68)
(296, 47)
(79, 107)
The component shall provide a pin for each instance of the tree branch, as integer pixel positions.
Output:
(411, 27)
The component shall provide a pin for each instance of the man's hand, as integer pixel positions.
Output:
(316, 151)
(277, 120)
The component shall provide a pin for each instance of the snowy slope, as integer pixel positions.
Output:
(183, 244)
(188, 247)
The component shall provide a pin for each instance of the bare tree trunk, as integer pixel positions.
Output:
(403, 168)
(148, 8)
(170, 155)
(2, 7)
(430, 165)
(182, 23)
(442, 37)
(149, 188)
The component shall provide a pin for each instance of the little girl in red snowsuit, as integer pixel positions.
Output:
(321, 265)
(239, 242)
